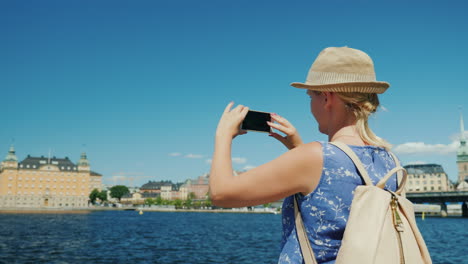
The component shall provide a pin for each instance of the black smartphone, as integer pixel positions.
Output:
(256, 121)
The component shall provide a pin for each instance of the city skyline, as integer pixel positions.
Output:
(140, 86)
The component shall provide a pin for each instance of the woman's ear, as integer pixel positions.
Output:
(329, 98)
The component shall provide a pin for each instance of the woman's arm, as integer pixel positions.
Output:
(296, 171)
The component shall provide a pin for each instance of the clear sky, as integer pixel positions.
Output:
(140, 85)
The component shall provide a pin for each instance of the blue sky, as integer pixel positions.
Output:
(140, 85)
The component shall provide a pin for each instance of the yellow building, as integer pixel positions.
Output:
(427, 178)
(42, 182)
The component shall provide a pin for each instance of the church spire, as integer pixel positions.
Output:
(83, 163)
(11, 156)
(462, 129)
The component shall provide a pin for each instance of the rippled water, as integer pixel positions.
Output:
(127, 237)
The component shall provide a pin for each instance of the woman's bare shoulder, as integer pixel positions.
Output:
(314, 149)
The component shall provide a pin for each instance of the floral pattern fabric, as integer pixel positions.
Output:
(325, 211)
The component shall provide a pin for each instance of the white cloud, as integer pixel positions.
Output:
(248, 167)
(208, 161)
(239, 160)
(194, 156)
(174, 154)
(423, 148)
(416, 162)
(456, 137)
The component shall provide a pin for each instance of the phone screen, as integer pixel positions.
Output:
(256, 121)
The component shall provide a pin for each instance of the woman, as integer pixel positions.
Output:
(343, 90)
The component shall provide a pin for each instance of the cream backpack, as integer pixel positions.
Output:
(381, 226)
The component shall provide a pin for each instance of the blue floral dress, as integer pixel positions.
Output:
(325, 211)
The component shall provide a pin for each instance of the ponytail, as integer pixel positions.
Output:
(363, 105)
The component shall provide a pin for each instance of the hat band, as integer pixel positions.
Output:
(317, 78)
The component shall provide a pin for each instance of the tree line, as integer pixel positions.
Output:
(119, 191)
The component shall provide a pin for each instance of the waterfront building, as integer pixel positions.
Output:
(45, 182)
(199, 187)
(427, 178)
(166, 189)
(138, 198)
(462, 158)
(154, 186)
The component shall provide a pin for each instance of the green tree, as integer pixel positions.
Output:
(150, 201)
(102, 196)
(93, 195)
(187, 203)
(159, 200)
(118, 191)
(197, 204)
(207, 203)
(178, 203)
(191, 196)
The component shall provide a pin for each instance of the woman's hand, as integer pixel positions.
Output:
(229, 124)
(292, 138)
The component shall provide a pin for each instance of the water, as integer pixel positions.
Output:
(127, 237)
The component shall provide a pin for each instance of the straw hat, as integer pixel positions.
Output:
(342, 70)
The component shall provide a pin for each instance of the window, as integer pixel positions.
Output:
(432, 188)
(425, 188)
(440, 188)
(440, 182)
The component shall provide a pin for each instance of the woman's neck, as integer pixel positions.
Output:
(347, 135)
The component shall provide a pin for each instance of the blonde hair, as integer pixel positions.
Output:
(363, 105)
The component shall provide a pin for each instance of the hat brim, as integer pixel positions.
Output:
(359, 87)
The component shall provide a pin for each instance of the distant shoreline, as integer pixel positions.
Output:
(144, 210)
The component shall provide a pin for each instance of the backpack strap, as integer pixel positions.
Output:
(401, 185)
(363, 172)
(357, 162)
(401, 178)
(306, 249)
